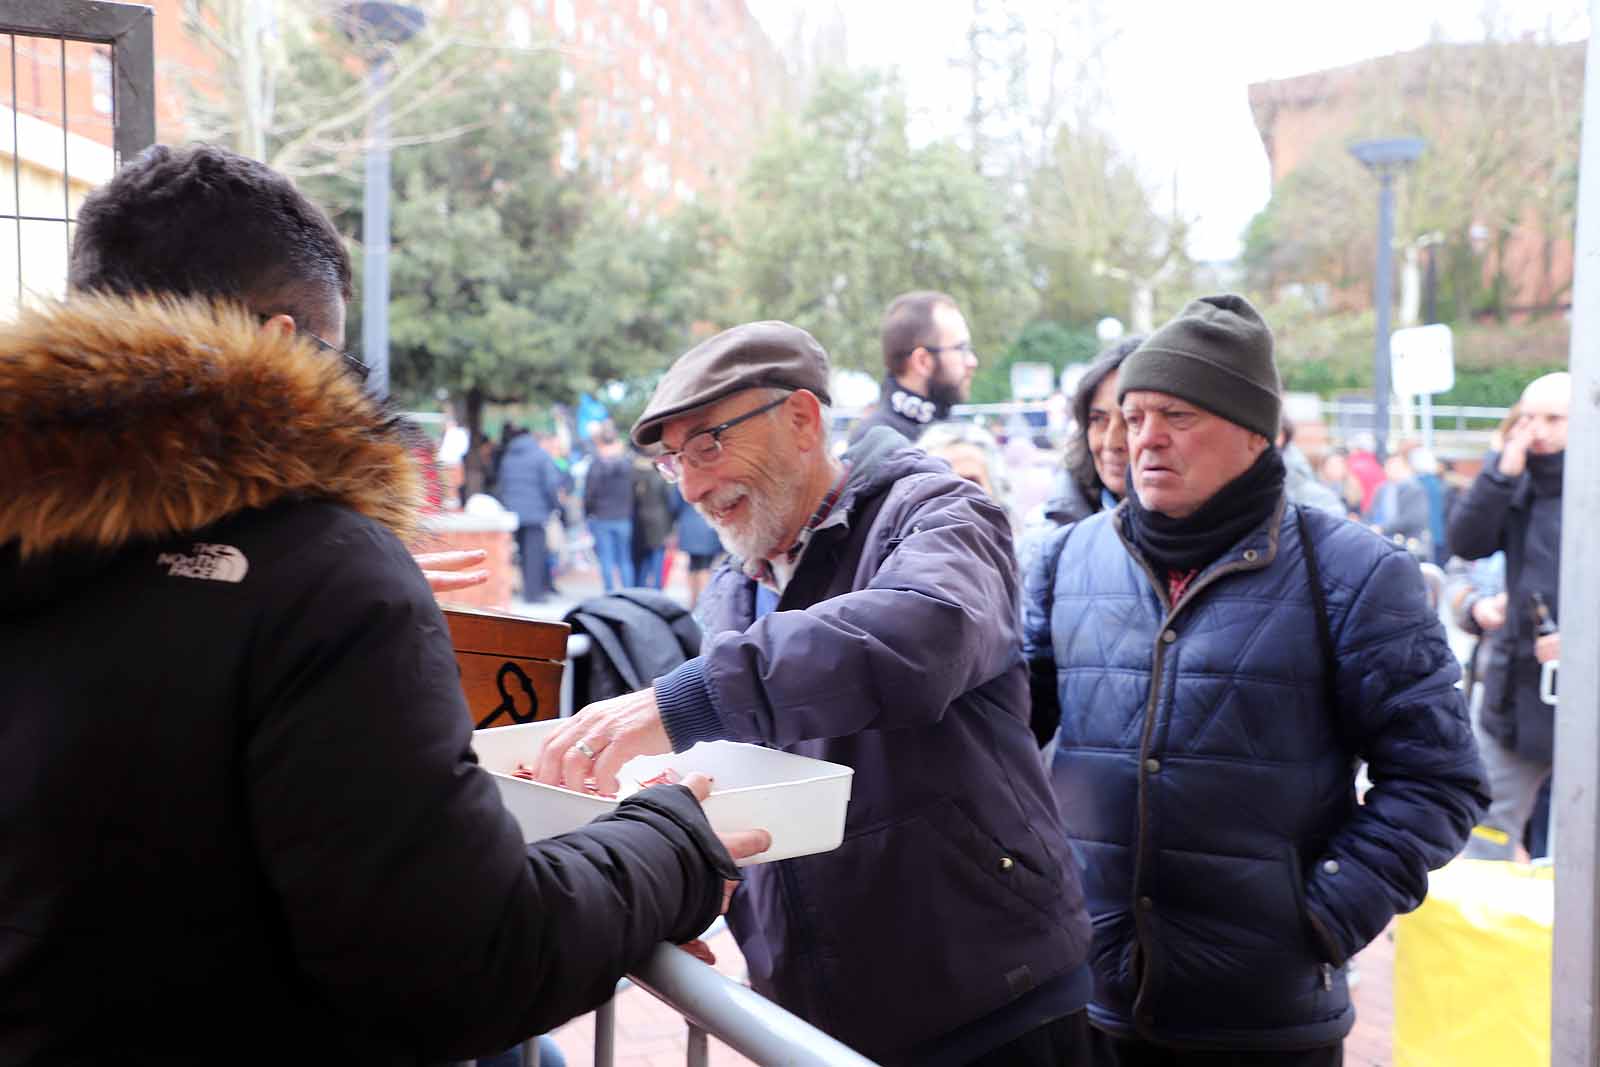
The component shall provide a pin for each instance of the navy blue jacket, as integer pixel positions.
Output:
(1209, 785)
(529, 482)
(894, 650)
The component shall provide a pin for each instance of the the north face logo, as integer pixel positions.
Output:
(216, 563)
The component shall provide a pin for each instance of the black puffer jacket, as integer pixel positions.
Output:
(241, 819)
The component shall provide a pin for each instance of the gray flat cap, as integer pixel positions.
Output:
(757, 355)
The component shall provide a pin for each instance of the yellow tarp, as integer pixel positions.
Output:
(1472, 969)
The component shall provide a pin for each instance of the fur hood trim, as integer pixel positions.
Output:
(133, 419)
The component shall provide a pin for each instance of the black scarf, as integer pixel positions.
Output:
(1546, 473)
(1184, 545)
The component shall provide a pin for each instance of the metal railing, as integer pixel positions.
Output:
(736, 1015)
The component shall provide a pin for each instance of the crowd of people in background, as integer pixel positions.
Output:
(594, 503)
(1106, 800)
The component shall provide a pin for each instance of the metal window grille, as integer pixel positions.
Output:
(77, 97)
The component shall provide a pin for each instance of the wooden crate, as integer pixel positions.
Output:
(510, 666)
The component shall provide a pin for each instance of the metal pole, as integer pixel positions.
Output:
(375, 238)
(1575, 989)
(698, 1049)
(605, 1034)
(1385, 297)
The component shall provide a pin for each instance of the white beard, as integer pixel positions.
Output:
(760, 533)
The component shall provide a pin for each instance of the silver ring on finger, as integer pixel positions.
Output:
(583, 746)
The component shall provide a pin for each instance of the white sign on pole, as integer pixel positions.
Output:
(1032, 381)
(1422, 360)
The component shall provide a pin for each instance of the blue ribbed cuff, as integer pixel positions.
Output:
(687, 710)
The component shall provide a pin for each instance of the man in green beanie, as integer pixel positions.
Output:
(1218, 660)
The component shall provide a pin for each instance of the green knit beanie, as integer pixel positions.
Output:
(1218, 354)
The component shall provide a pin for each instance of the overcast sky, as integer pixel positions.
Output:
(1180, 72)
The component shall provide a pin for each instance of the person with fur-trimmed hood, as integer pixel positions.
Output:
(242, 816)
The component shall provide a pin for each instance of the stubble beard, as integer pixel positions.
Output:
(760, 534)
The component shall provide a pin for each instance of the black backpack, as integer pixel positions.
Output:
(636, 636)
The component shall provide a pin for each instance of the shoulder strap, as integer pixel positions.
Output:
(1330, 662)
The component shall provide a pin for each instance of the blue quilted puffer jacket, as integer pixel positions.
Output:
(1208, 783)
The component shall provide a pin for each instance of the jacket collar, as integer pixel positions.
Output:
(1254, 551)
(136, 419)
(910, 404)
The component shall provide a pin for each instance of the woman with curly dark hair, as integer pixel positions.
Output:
(1094, 470)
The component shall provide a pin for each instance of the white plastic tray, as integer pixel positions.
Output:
(798, 800)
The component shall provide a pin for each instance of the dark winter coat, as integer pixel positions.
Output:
(637, 636)
(894, 650)
(608, 489)
(242, 820)
(529, 482)
(1497, 513)
(1208, 783)
(653, 501)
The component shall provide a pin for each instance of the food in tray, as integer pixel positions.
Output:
(667, 777)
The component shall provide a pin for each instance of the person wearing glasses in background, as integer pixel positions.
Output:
(928, 357)
(869, 617)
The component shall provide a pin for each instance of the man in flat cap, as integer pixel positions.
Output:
(869, 618)
(1218, 659)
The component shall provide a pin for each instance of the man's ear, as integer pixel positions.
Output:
(921, 364)
(283, 324)
(1258, 444)
(803, 412)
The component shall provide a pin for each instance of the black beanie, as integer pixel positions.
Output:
(1218, 354)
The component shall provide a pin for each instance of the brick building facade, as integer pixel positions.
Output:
(671, 93)
(1297, 116)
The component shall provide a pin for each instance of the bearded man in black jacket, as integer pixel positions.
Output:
(929, 363)
(238, 790)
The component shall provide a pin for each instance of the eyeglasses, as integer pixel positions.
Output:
(962, 346)
(352, 361)
(703, 449)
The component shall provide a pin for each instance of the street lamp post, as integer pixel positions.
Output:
(377, 27)
(1386, 159)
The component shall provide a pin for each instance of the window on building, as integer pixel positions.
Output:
(566, 18)
(647, 66)
(659, 18)
(568, 79)
(663, 131)
(647, 105)
(569, 149)
(664, 85)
